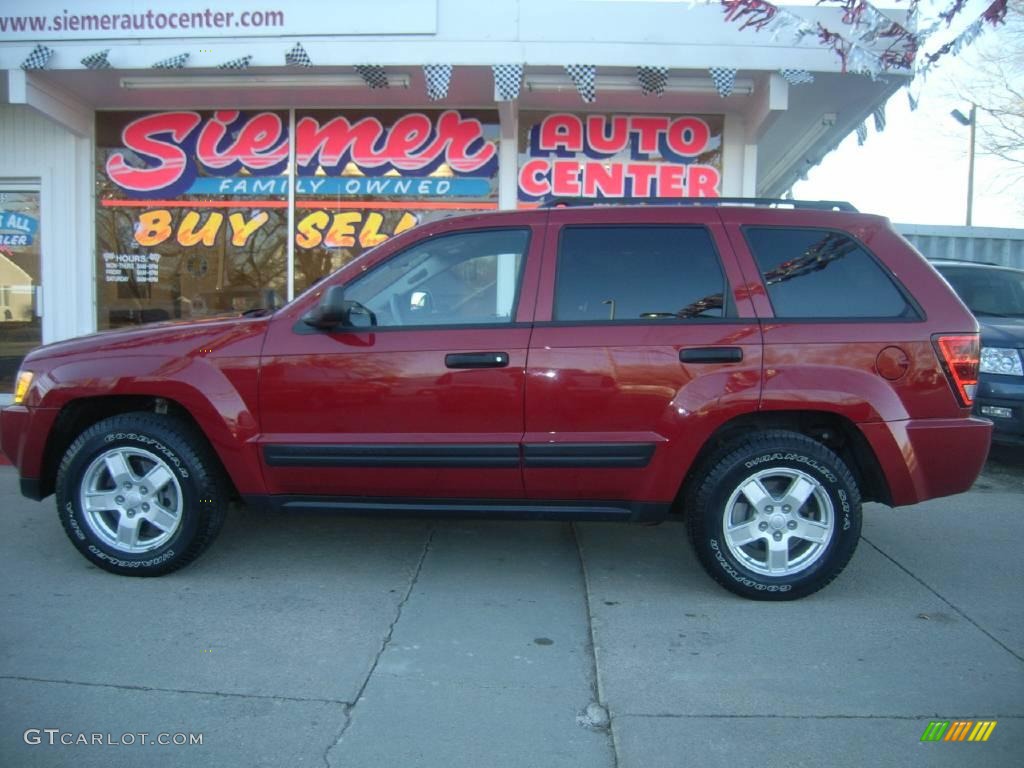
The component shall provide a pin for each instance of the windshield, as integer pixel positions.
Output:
(988, 292)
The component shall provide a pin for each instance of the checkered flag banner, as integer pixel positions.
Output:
(97, 60)
(724, 79)
(174, 62)
(911, 99)
(374, 75)
(652, 80)
(508, 80)
(862, 134)
(242, 63)
(584, 76)
(297, 57)
(38, 58)
(797, 76)
(438, 77)
(879, 115)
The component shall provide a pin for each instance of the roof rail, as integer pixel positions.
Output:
(701, 202)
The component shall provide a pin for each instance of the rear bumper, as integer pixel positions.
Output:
(928, 458)
(23, 434)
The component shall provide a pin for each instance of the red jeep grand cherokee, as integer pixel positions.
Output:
(759, 371)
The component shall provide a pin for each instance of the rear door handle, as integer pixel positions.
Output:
(711, 355)
(476, 360)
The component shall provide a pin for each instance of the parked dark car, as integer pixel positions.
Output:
(995, 295)
(757, 371)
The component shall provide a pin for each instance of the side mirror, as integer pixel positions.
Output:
(334, 310)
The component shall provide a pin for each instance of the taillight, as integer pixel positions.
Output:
(960, 356)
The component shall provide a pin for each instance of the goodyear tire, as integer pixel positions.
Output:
(776, 517)
(140, 494)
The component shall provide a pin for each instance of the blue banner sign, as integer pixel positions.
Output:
(349, 186)
(17, 228)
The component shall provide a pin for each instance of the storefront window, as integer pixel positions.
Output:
(191, 217)
(20, 272)
(618, 157)
(362, 177)
(192, 207)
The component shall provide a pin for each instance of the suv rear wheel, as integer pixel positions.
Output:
(140, 494)
(776, 517)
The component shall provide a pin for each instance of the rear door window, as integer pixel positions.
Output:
(816, 273)
(639, 274)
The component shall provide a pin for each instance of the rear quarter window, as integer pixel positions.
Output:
(817, 273)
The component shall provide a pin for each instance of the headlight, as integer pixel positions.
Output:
(1000, 360)
(21, 388)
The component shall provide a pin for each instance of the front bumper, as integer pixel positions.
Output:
(928, 458)
(23, 434)
(997, 391)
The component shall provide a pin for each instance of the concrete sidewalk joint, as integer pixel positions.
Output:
(350, 710)
(943, 598)
(150, 689)
(596, 687)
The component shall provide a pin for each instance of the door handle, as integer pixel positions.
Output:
(476, 360)
(711, 355)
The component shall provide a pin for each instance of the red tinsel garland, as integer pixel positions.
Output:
(901, 51)
(754, 13)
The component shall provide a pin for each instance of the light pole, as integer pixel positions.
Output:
(971, 121)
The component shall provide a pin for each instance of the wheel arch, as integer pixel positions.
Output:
(834, 431)
(79, 414)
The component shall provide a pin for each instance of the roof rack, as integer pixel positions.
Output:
(702, 202)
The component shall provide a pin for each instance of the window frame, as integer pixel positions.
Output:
(301, 327)
(729, 311)
(908, 297)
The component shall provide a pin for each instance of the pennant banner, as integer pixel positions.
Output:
(724, 79)
(242, 63)
(797, 76)
(438, 77)
(297, 57)
(373, 75)
(653, 80)
(38, 58)
(97, 60)
(862, 134)
(508, 81)
(585, 77)
(174, 62)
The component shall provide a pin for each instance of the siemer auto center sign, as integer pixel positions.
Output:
(49, 20)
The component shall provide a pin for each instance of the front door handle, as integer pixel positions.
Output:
(476, 359)
(711, 355)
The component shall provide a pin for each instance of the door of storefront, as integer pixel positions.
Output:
(20, 271)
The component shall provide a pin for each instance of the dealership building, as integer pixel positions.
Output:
(194, 159)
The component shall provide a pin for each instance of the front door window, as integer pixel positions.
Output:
(20, 290)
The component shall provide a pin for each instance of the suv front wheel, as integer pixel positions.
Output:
(140, 494)
(776, 517)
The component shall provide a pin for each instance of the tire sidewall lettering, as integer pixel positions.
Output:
(150, 442)
(789, 457)
(741, 579)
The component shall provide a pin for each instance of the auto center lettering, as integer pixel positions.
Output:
(171, 148)
(615, 157)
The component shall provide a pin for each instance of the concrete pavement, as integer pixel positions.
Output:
(338, 642)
